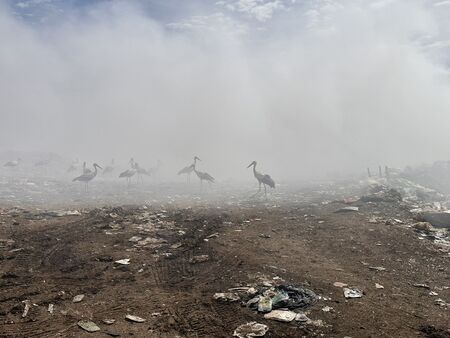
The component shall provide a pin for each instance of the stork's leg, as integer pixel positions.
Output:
(259, 186)
(265, 190)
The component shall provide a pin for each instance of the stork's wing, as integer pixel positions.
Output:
(124, 174)
(208, 177)
(81, 177)
(185, 170)
(269, 181)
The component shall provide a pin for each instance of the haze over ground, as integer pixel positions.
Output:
(303, 87)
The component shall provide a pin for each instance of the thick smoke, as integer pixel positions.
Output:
(320, 89)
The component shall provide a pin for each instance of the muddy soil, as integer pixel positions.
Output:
(46, 258)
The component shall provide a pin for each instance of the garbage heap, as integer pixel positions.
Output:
(276, 302)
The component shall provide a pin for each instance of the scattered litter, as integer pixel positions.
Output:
(340, 285)
(423, 226)
(281, 315)
(418, 285)
(133, 318)
(267, 298)
(251, 329)
(378, 286)
(327, 309)
(265, 304)
(77, 298)
(377, 268)
(135, 239)
(213, 235)
(125, 261)
(441, 302)
(252, 302)
(108, 321)
(301, 317)
(199, 259)
(227, 297)
(64, 213)
(264, 236)
(352, 293)
(50, 308)
(347, 209)
(27, 307)
(432, 293)
(150, 240)
(318, 322)
(88, 326)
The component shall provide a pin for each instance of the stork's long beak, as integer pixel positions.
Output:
(99, 167)
(250, 165)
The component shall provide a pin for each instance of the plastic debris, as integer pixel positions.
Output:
(298, 297)
(51, 308)
(27, 306)
(77, 298)
(378, 286)
(352, 293)
(301, 317)
(88, 326)
(135, 319)
(281, 315)
(135, 239)
(227, 297)
(251, 329)
(124, 261)
(327, 309)
(432, 293)
(340, 285)
(199, 259)
(377, 268)
(108, 321)
(347, 209)
(419, 285)
(265, 304)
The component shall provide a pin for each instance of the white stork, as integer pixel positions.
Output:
(87, 176)
(140, 171)
(12, 164)
(189, 169)
(203, 176)
(129, 173)
(262, 178)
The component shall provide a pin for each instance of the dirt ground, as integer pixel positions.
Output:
(48, 258)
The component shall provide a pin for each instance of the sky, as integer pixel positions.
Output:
(306, 88)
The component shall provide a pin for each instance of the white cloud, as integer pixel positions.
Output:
(442, 3)
(261, 10)
(214, 23)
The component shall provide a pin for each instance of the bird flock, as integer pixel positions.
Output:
(264, 180)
